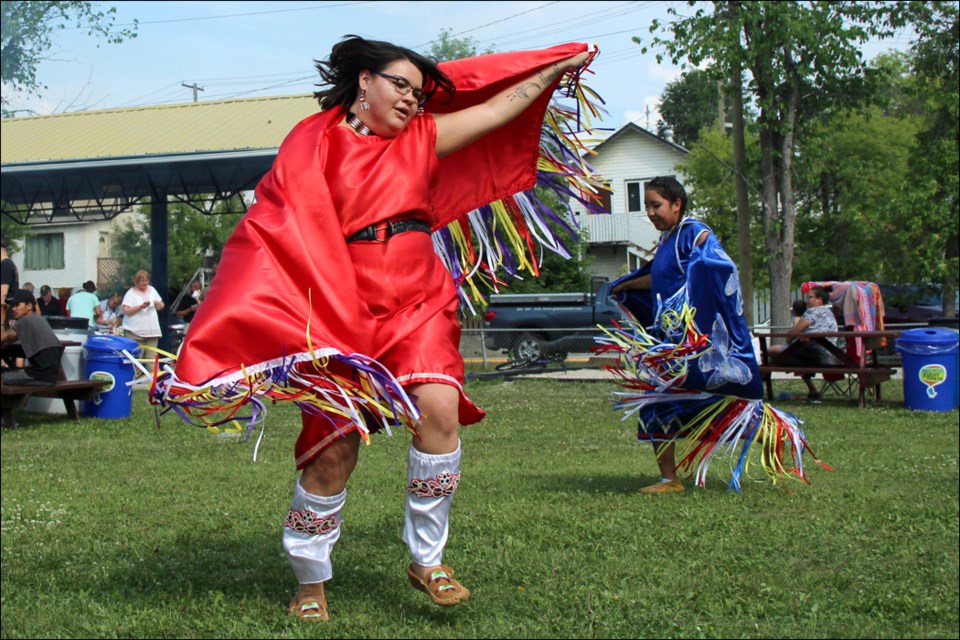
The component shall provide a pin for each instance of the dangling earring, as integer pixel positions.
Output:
(420, 111)
(363, 100)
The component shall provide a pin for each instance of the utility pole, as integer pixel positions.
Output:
(195, 88)
(647, 126)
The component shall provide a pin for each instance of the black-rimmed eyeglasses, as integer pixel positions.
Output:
(403, 86)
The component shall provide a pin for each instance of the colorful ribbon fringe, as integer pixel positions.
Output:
(653, 372)
(490, 245)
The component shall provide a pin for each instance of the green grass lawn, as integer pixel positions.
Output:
(115, 528)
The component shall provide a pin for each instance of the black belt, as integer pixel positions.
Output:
(385, 230)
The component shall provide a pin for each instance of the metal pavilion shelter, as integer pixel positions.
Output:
(94, 165)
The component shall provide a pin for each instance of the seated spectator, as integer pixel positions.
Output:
(84, 304)
(818, 317)
(28, 286)
(40, 344)
(110, 313)
(797, 309)
(47, 304)
(64, 293)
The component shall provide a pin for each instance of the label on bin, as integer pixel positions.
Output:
(103, 375)
(932, 375)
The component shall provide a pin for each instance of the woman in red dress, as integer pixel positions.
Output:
(344, 219)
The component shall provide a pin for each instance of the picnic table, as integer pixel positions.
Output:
(15, 396)
(858, 359)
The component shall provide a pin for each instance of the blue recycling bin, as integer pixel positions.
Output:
(104, 360)
(929, 368)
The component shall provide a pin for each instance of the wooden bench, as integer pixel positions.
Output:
(15, 396)
(860, 363)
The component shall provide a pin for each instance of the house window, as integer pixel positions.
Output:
(635, 196)
(44, 251)
(605, 203)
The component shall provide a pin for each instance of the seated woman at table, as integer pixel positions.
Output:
(817, 318)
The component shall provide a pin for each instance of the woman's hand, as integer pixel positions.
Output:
(640, 282)
(458, 129)
(576, 61)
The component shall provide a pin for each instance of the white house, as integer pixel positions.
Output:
(68, 254)
(625, 239)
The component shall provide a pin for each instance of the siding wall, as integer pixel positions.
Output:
(81, 249)
(622, 241)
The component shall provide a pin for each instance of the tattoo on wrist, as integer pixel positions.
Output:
(520, 93)
(547, 77)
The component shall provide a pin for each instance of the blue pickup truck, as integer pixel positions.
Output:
(534, 325)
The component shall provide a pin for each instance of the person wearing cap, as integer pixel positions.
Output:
(40, 344)
(29, 286)
(84, 304)
(47, 303)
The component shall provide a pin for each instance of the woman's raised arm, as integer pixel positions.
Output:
(457, 130)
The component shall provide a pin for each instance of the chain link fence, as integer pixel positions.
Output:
(109, 278)
(487, 348)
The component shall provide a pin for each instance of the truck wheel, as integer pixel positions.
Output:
(527, 347)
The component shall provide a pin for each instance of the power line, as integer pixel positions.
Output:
(587, 18)
(234, 15)
(492, 23)
(568, 24)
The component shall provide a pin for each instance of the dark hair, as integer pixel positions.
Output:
(799, 306)
(353, 54)
(670, 188)
(820, 292)
(89, 286)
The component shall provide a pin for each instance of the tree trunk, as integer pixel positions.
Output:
(744, 244)
(743, 202)
(782, 262)
(950, 285)
(771, 225)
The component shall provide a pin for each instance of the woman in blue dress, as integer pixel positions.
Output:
(687, 359)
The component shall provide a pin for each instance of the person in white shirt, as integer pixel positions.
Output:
(140, 305)
(110, 313)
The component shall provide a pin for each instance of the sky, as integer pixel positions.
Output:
(255, 49)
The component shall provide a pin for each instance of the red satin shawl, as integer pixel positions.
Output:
(285, 284)
(374, 179)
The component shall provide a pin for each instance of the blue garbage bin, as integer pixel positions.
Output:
(929, 368)
(105, 361)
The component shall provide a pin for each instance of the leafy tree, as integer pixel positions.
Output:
(446, 47)
(855, 189)
(197, 237)
(14, 233)
(689, 105)
(27, 36)
(709, 171)
(803, 58)
(934, 221)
